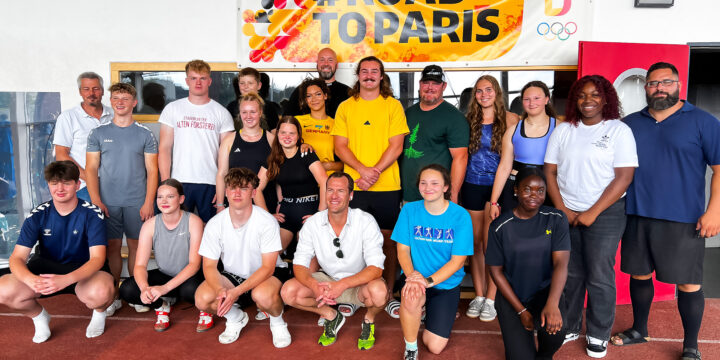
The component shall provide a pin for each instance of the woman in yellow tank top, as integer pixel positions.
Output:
(316, 125)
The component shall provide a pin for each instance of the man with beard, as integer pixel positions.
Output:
(74, 125)
(326, 66)
(667, 222)
(439, 134)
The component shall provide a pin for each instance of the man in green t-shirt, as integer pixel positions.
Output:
(439, 134)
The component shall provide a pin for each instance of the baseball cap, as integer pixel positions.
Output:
(434, 73)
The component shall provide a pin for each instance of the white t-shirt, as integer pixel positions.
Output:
(241, 249)
(197, 130)
(72, 128)
(586, 158)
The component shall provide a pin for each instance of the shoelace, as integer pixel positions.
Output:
(410, 354)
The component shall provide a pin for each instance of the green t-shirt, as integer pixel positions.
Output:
(432, 134)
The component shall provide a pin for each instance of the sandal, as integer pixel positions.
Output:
(628, 337)
(163, 320)
(690, 354)
(347, 309)
(393, 308)
(205, 322)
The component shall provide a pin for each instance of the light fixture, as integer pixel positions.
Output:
(654, 3)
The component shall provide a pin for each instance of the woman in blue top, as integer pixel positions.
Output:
(524, 144)
(434, 236)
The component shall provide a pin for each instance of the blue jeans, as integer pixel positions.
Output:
(592, 258)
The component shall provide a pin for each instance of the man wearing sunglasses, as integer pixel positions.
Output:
(348, 246)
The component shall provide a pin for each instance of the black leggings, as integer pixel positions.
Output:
(130, 292)
(520, 343)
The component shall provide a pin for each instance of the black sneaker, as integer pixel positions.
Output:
(331, 328)
(411, 354)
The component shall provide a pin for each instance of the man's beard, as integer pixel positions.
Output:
(662, 103)
(326, 74)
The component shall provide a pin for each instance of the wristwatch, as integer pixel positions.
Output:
(430, 281)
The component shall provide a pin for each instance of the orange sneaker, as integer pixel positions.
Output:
(163, 317)
(205, 322)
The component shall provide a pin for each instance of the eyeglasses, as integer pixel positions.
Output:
(338, 253)
(666, 82)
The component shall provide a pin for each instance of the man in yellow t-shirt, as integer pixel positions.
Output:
(369, 131)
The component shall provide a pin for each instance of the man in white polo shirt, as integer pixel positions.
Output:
(73, 126)
(348, 246)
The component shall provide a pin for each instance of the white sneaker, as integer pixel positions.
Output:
(261, 315)
(488, 312)
(475, 307)
(570, 337)
(596, 348)
(140, 308)
(281, 335)
(232, 330)
(115, 306)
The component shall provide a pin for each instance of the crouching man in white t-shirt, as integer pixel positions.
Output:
(246, 239)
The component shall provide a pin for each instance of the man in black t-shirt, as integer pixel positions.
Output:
(326, 67)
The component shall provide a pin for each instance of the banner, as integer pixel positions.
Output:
(411, 33)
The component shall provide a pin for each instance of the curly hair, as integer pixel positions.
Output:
(612, 108)
(240, 177)
(302, 99)
(197, 66)
(123, 88)
(277, 155)
(474, 117)
(385, 88)
(549, 109)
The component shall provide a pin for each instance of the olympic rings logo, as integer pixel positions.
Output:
(557, 30)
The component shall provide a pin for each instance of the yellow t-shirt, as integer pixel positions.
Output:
(317, 133)
(368, 126)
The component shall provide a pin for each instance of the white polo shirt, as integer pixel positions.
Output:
(360, 240)
(72, 129)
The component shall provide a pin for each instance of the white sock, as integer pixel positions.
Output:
(97, 325)
(235, 314)
(42, 327)
(490, 302)
(276, 320)
(411, 345)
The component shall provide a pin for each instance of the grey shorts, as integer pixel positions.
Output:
(349, 296)
(123, 220)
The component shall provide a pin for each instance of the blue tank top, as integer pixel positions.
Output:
(483, 164)
(530, 151)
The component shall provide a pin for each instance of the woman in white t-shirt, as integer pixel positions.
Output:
(589, 163)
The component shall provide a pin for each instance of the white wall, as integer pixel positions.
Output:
(44, 44)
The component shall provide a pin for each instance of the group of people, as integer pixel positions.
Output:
(347, 185)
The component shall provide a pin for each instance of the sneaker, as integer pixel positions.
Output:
(596, 348)
(488, 312)
(261, 315)
(205, 322)
(475, 307)
(321, 321)
(332, 327)
(232, 330)
(411, 354)
(281, 335)
(367, 336)
(140, 308)
(571, 336)
(163, 317)
(115, 306)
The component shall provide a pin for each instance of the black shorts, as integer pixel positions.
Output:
(384, 206)
(474, 197)
(245, 300)
(40, 265)
(671, 249)
(294, 209)
(440, 308)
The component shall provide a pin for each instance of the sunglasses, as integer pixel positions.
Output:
(338, 253)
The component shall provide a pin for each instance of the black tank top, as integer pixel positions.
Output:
(251, 155)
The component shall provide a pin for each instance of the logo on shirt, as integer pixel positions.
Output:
(434, 234)
(96, 210)
(367, 122)
(548, 232)
(75, 232)
(411, 153)
(46, 232)
(237, 150)
(602, 143)
(108, 140)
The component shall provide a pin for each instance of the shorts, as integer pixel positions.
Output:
(245, 300)
(440, 308)
(349, 296)
(200, 196)
(671, 249)
(123, 220)
(40, 265)
(384, 206)
(295, 208)
(474, 197)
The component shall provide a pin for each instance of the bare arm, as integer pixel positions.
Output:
(405, 259)
(611, 194)
(457, 171)
(144, 250)
(259, 276)
(63, 153)
(346, 155)
(52, 283)
(92, 162)
(151, 168)
(504, 169)
(194, 259)
(223, 165)
(259, 198)
(18, 266)
(165, 146)
(321, 177)
(709, 222)
(211, 273)
(332, 165)
(553, 190)
(392, 152)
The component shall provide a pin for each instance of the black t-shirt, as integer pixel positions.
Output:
(524, 248)
(295, 178)
(338, 93)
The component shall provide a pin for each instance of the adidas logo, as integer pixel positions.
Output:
(367, 122)
(237, 150)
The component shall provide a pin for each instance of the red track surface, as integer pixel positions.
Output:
(129, 335)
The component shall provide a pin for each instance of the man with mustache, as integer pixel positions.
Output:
(74, 125)
(667, 221)
(369, 130)
(326, 66)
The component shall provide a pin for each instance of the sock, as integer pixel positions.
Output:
(489, 302)
(276, 320)
(642, 293)
(97, 325)
(235, 314)
(42, 327)
(691, 306)
(412, 346)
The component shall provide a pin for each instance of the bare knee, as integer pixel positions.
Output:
(289, 292)
(642, 277)
(411, 305)
(377, 291)
(689, 287)
(13, 292)
(435, 343)
(205, 298)
(97, 292)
